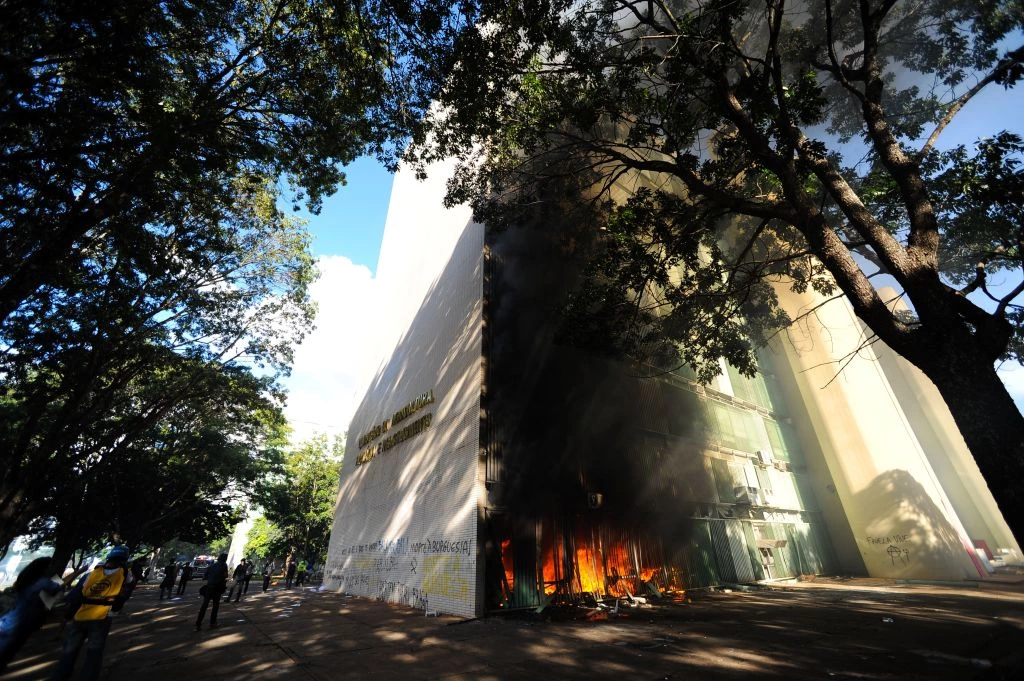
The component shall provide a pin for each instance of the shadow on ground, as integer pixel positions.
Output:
(808, 631)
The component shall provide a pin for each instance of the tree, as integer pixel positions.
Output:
(121, 114)
(89, 368)
(776, 141)
(179, 548)
(266, 541)
(299, 501)
(220, 545)
(186, 476)
(143, 147)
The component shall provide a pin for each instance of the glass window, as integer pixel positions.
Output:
(805, 492)
(686, 372)
(724, 482)
(783, 491)
(764, 480)
(783, 441)
(736, 428)
(751, 390)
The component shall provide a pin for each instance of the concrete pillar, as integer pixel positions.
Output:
(901, 518)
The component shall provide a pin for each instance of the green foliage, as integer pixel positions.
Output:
(266, 541)
(90, 370)
(120, 114)
(731, 118)
(183, 476)
(740, 110)
(142, 249)
(178, 548)
(220, 545)
(299, 500)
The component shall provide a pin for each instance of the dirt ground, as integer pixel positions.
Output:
(825, 629)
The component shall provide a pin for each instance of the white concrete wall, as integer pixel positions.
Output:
(236, 550)
(948, 453)
(405, 527)
(899, 512)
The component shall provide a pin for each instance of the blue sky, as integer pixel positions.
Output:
(352, 221)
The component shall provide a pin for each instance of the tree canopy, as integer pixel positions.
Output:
(299, 500)
(145, 267)
(266, 541)
(94, 367)
(729, 147)
(185, 476)
(119, 115)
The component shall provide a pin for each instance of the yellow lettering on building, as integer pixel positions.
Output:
(369, 451)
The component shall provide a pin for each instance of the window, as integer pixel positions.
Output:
(736, 428)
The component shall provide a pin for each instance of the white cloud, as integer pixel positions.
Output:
(331, 364)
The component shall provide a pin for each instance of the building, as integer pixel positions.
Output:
(489, 467)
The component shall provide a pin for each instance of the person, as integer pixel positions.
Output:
(186, 574)
(104, 591)
(250, 570)
(216, 584)
(138, 571)
(268, 571)
(289, 573)
(300, 577)
(238, 580)
(34, 594)
(167, 583)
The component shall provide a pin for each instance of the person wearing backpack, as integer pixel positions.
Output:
(102, 595)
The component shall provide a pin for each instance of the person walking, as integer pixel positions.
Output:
(216, 584)
(167, 583)
(34, 596)
(268, 571)
(138, 571)
(300, 573)
(186, 574)
(250, 570)
(289, 573)
(238, 580)
(103, 593)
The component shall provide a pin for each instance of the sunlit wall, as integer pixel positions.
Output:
(405, 528)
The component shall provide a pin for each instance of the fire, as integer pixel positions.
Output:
(507, 564)
(590, 561)
(587, 562)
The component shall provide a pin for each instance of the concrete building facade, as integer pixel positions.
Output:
(482, 474)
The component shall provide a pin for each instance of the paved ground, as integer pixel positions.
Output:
(859, 629)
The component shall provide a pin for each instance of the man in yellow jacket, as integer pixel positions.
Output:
(104, 591)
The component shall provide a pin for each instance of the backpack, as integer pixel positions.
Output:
(76, 598)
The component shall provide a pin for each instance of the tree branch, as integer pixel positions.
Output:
(1001, 69)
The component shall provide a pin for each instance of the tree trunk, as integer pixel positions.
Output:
(63, 550)
(990, 422)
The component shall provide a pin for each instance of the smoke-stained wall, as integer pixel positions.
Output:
(569, 422)
(405, 527)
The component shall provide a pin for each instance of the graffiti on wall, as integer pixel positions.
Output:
(895, 547)
(398, 570)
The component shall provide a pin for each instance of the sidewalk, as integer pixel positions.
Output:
(831, 630)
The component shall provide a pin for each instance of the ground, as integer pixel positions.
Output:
(826, 629)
